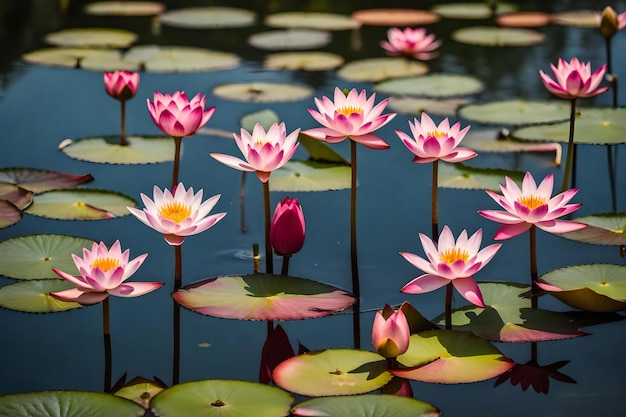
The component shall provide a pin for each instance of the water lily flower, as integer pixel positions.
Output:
(353, 115)
(610, 22)
(411, 42)
(178, 116)
(574, 79)
(390, 333)
(431, 142)
(103, 272)
(287, 229)
(264, 151)
(121, 85)
(451, 261)
(532, 205)
(178, 215)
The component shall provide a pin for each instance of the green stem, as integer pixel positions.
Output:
(285, 268)
(356, 320)
(106, 330)
(570, 147)
(533, 265)
(269, 258)
(435, 202)
(178, 275)
(123, 141)
(177, 145)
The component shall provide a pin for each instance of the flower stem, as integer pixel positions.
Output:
(285, 268)
(269, 258)
(242, 208)
(123, 141)
(435, 202)
(106, 330)
(178, 275)
(356, 320)
(533, 264)
(570, 147)
(177, 145)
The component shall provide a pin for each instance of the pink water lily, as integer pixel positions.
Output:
(411, 42)
(178, 116)
(574, 79)
(178, 215)
(431, 142)
(451, 261)
(390, 332)
(353, 115)
(532, 205)
(288, 228)
(264, 151)
(103, 272)
(121, 85)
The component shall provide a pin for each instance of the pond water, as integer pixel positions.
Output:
(41, 106)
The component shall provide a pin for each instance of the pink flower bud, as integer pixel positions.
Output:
(287, 229)
(390, 333)
(121, 85)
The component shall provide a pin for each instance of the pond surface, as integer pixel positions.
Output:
(41, 106)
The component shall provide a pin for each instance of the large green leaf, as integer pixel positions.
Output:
(395, 17)
(320, 151)
(433, 86)
(92, 37)
(311, 20)
(262, 92)
(107, 150)
(290, 39)
(39, 180)
(332, 372)
(265, 117)
(140, 390)
(81, 204)
(169, 59)
(472, 10)
(516, 112)
(497, 36)
(297, 176)
(379, 69)
(470, 178)
(9, 214)
(32, 296)
(416, 105)
(305, 61)
(208, 17)
(124, 8)
(367, 405)
(101, 59)
(602, 229)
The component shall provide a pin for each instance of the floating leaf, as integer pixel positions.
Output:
(516, 112)
(319, 151)
(378, 69)
(32, 297)
(497, 36)
(577, 18)
(262, 297)
(34, 256)
(226, 398)
(92, 37)
(470, 178)
(472, 10)
(395, 17)
(140, 390)
(297, 176)
(367, 405)
(322, 21)
(262, 92)
(332, 372)
(107, 149)
(415, 106)
(490, 140)
(67, 404)
(265, 117)
(9, 214)
(39, 180)
(307, 61)
(451, 357)
(433, 86)
(77, 57)
(208, 17)
(167, 59)
(124, 8)
(602, 229)
(81, 204)
(16, 195)
(598, 126)
(597, 287)
(524, 19)
(290, 39)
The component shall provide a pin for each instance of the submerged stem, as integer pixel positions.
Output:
(570, 147)
(356, 320)
(106, 330)
(123, 141)
(178, 277)
(177, 145)
(533, 265)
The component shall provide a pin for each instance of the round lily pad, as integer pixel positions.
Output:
(416, 105)
(208, 17)
(577, 18)
(306, 61)
(107, 150)
(602, 229)
(95, 59)
(297, 176)
(265, 118)
(166, 59)
(124, 8)
(81, 204)
(92, 37)
(32, 296)
(262, 92)
(516, 112)
(16, 195)
(395, 17)
(319, 151)
(226, 398)
(497, 36)
(461, 176)
(311, 20)
(332, 372)
(524, 19)
(451, 357)
(39, 180)
(596, 287)
(290, 39)
(67, 404)
(378, 69)
(9, 214)
(597, 126)
(433, 86)
(263, 297)
(472, 10)
(367, 405)
(140, 390)
(34, 256)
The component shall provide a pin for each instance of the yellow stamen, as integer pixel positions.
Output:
(175, 211)
(437, 133)
(348, 110)
(450, 256)
(531, 201)
(105, 263)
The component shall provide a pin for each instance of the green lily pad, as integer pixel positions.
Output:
(509, 317)
(208, 17)
(311, 20)
(124, 8)
(39, 180)
(81, 204)
(306, 61)
(577, 18)
(140, 390)
(34, 256)
(92, 37)
(16, 195)
(516, 112)
(497, 36)
(395, 17)
(265, 117)
(32, 297)
(367, 405)
(596, 287)
(262, 297)
(67, 404)
(433, 86)
(378, 69)
(415, 105)
(310, 176)
(226, 398)
(290, 39)
(451, 357)
(472, 10)
(524, 19)
(107, 149)
(462, 176)
(602, 229)
(332, 372)
(319, 151)
(9, 214)
(262, 92)
(101, 59)
(168, 59)
(597, 126)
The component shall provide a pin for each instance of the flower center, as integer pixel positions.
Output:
(175, 211)
(437, 133)
(450, 256)
(105, 263)
(348, 110)
(531, 201)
